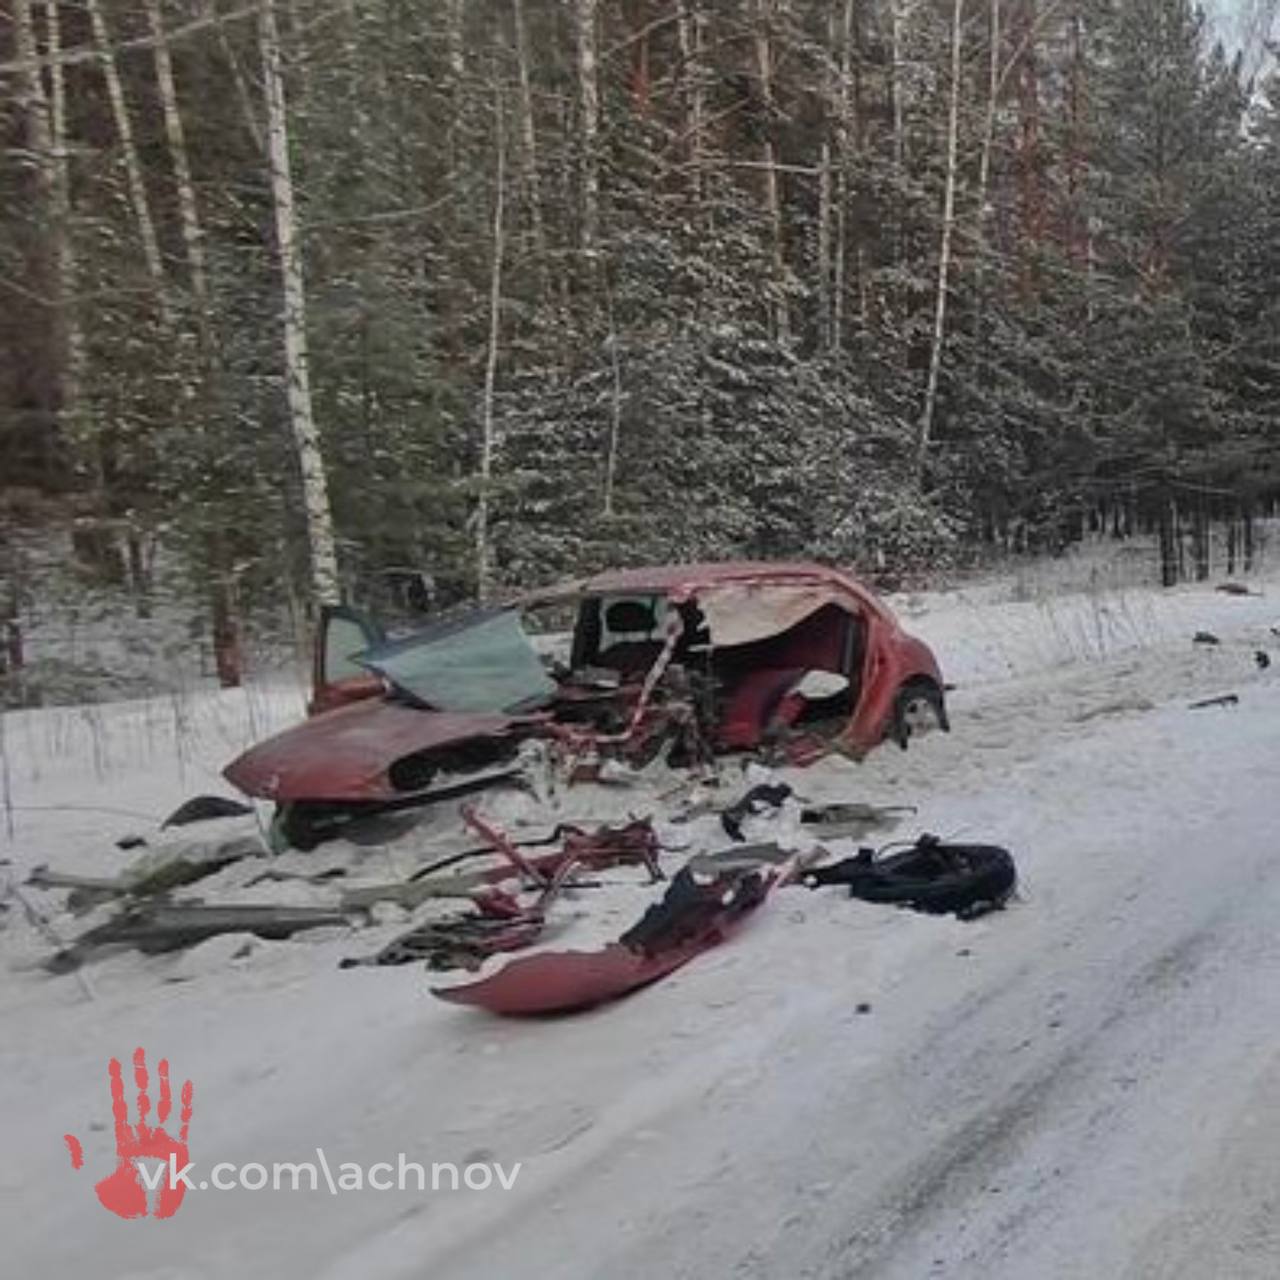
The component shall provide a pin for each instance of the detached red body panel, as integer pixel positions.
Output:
(561, 981)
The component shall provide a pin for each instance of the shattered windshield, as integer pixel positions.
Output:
(482, 662)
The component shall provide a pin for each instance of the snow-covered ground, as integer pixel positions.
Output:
(1085, 1085)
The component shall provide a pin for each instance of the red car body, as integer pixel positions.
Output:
(751, 632)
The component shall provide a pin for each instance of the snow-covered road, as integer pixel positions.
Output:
(1083, 1088)
(1085, 1085)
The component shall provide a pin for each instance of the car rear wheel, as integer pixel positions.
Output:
(918, 709)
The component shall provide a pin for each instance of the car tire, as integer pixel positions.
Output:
(293, 827)
(918, 708)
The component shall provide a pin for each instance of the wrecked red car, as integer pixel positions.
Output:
(694, 661)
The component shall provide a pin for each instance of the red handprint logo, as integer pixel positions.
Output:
(122, 1191)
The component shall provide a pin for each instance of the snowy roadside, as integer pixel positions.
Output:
(1073, 744)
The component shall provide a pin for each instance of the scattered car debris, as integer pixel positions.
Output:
(932, 876)
(161, 926)
(634, 844)
(154, 872)
(305, 826)
(458, 943)
(850, 820)
(700, 908)
(1205, 637)
(205, 809)
(758, 799)
(499, 923)
(1119, 707)
(605, 847)
(839, 821)
(275, 875)
(197, 809)
(94, 888)
(1224, 700)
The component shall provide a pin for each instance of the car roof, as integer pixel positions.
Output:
(672, 579)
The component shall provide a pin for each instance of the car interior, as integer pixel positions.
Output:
(749, 686)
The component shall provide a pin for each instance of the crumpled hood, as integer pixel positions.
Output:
(344, 754)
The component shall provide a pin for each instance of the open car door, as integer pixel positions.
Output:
(337, 679)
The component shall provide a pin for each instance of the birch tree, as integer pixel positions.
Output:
(529, 143)
(944, 248)
(844, 149)
(589, 125)
(763, 42)
(306, 437)
(483, 549)
(690, 33)
(135, 183)
(65, 249)
(826, 187)
(40, 374)
(897, 89)
(175, 134)
(982, 202)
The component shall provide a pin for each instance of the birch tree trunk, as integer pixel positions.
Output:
(1076, 233)
(615, 410)
(772, 188)
(455, 42)
(826, 187)
(896, 304)
(228, 648)
(65, 250)
(944, 251)
(483, 550)
(989, 120)
(529, 143)
(689, 31)
(895, 82)
(844, 140)
(137, 188)
(994, 81)
(589, 128)
(175, 135)
(34, 103)
(1031, 181)
(315, 488)
(39, 365)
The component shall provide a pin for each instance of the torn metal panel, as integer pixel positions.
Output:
(702, 907)
(153, 872)
(499, 923)
(743, 612)
(158, 927)
(629, 845)
(205, 809)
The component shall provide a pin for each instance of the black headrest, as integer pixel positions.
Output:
(628, 617)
